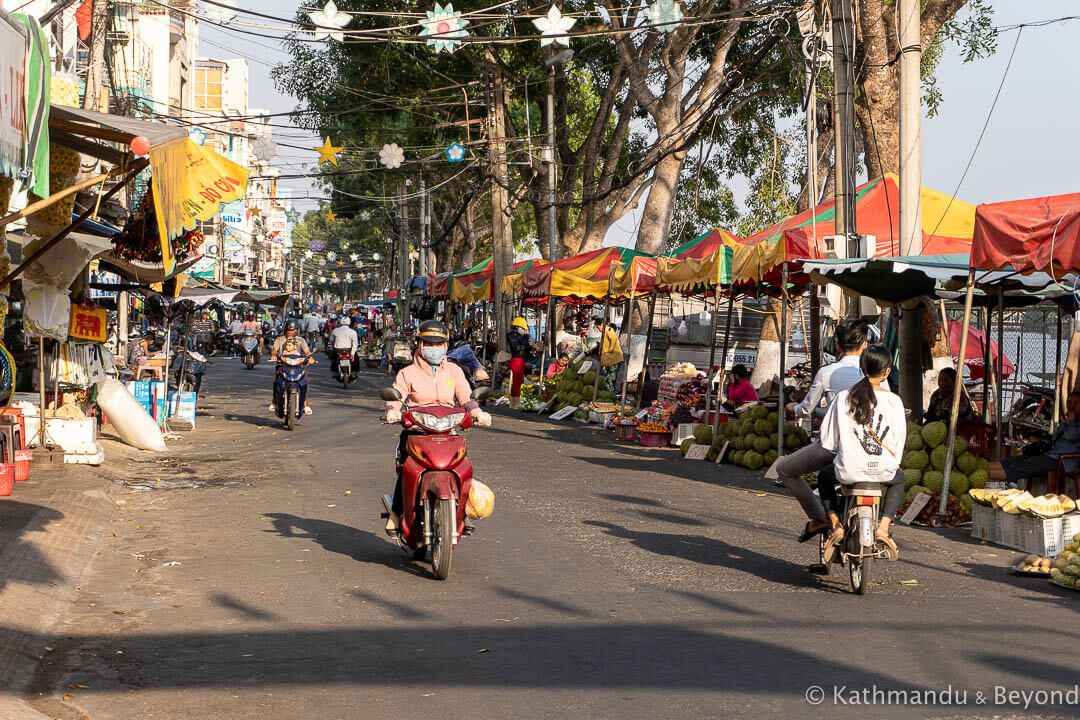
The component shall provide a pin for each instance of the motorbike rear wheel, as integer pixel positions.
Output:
(346, 377)
(445, 521)
(292, 399)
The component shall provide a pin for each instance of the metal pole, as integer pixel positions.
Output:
(999, 372)
(783, 357)
(648, 342)
(41, 390)
(712, 354)
(988, 378)
(423, 229)
(1057, 376)
(843, 46)
(723, 354)
(955, 412)
(910, 117)
(543, 350)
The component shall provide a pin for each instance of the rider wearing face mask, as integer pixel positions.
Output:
(430, 380)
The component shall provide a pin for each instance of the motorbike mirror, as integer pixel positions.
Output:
(481, 393)
(390, 394)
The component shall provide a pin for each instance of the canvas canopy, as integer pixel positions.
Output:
(635, 277)
(475, 285)
(1036, 234)
(705, 261)
(581, 276)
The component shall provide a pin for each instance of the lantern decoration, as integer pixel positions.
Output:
(455, 153)
(705, 317)
(553, 27)
(444, 28)
(665, 15)
(140, 145)
(329, 21)
(391, 156)
(328, 152)
(684, 329)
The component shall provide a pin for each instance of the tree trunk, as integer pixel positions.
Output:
(660, 205)
(469, 243)
(767, 365)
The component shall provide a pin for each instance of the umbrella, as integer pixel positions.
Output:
(975, 351)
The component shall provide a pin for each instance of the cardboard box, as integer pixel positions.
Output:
(182, 407)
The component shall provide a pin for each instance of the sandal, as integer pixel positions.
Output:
(892, 553)
(307, 410)
(831, 543)
(808, 534)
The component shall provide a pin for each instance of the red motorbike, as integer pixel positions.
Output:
(436, 478)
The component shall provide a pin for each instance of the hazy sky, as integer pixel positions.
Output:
(1030, 147)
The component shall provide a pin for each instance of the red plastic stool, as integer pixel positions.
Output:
(1058, 479)
(7, 478)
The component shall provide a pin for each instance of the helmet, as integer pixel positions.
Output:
(291, 324)
(432, 331)
(345, 322)
(520, 322)
(333, 316)
(251, 318)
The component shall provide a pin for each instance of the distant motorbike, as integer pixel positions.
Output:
(249, 348)
(436, 479)
(293, 368)
(346, 373)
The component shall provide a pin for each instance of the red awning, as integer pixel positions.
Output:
(976, 353)
(1039, 234)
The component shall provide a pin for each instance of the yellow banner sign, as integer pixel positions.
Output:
(87, 324)
(190, 183)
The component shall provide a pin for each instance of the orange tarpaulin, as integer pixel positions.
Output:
(637, 276)
(1027, 235)
(580, 276)
(704, 261)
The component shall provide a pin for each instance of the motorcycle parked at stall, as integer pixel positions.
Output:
(249, 348)
(436, 478)
(288, 406)
(190, 368)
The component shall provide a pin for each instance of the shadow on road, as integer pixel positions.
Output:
(360, 545)
(21, 561)
(257, 420)
(248, 611)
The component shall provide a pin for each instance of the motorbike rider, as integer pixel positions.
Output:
(830, 380)
(312, 324)
(255, 327)
(429, 380)
(203, 331)
(292, 331)
(343, 337)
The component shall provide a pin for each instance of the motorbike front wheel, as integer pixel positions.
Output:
(445, 521)
(859, 571)
(292, 399)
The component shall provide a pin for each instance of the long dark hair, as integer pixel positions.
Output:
(875, 360)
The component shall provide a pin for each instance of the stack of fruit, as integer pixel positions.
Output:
(1066, 570)
(574, 388)
(923, 463)
(754, 436)
(703, 435)
(1036, 564)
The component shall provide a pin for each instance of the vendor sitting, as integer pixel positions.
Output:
(740, 390)
(558, 366)
(139, 350)
(1066, 442)
(940, 407)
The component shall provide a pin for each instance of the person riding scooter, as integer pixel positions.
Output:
(292, 331)
(343, 337)
(429, 380)
(254, 327)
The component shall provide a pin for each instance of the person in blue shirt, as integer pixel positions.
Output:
(1066, 442)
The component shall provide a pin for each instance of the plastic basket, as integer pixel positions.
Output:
(22, 464)
(624, 432)
(649, 438)
(7, 478)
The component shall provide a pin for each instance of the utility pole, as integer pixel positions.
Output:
(422, 245)
(95, 70)
(549, 151)
(843, 47)
(911, 240)
(501, 232)
(403, 254)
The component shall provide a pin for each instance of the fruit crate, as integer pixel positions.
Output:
(649, 438)
(685, 431)
(624, 431)
(600, 417)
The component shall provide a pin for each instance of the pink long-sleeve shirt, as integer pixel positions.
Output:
(446, 387)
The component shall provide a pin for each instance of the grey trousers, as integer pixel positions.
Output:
(790, 468)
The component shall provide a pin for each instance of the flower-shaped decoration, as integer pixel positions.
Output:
(197, 136)
(293, 215)
(322, 278)
(553, 27)
(444, 28)
(330, 256)
(322, 261)
(354, 257)
(308, 254)
(455, 153)
(391, 156)
(317, 245)
(665, 15)
(344, 246)
(328, 22)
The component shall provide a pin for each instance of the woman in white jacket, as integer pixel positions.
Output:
(866, 428)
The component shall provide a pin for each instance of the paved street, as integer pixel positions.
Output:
(613, 581)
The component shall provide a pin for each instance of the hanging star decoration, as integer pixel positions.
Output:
(553, 27)
(255, 212)
(330, 256)
(665, 15)
(308, 254)
(444, 28)
(333, 275)
(455, 153)
(391, 156)
(354, 257)
(348, 277)
(293, 215)
(328, 152)
(328, 22)
(331, 215)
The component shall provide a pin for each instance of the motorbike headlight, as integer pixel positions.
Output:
(439, 424)
(293, 360)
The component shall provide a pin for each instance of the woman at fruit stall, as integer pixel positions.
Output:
(1066, 442)
(558, 366)
(740, 390)
(940, 406)
(866, 429)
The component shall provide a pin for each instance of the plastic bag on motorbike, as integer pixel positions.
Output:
(481, 501)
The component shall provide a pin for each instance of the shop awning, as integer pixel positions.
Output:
(948, 225)
(1035, 234)
(190, 182)
(438, 285)
(416, 284)
(637, 276)
(581, 276)
(705, 261)
(475, 285)
(143, 273)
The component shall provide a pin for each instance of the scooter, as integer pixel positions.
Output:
(436, 478)
(289, 408)
(249, 348)
(190, 368)
(344, 366)
(861, 511)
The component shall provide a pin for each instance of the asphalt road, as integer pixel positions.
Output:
(612, 581)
